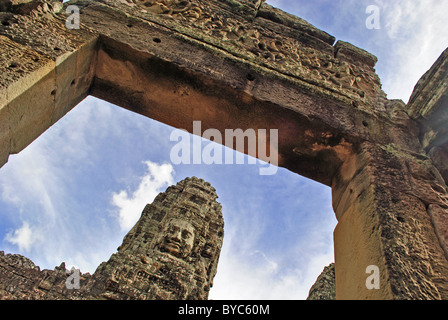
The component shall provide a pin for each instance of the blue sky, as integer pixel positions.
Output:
(74, 193)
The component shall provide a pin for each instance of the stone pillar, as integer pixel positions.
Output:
(46, 70)
(391, 207)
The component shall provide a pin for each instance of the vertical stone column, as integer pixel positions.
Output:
(385, 200)
(46, 70)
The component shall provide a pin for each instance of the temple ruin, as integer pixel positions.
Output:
(245, 64)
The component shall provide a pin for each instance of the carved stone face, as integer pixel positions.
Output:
(179, 238)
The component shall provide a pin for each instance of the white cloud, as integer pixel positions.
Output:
(416, 36)
(48, 188)
(278, 254)
(157, 178)
(242, 277)
(24, 237)
(48, 226)
(34, 185)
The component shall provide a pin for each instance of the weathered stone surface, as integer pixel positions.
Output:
(430, 93)
(439, 157)
(325, 286)
(429, 104)
(385, 222)
(47, 69)
(302, 53)
(4, 136)
(20, 279)
(171, 253)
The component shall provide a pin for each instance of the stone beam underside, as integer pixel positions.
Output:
(233, 73)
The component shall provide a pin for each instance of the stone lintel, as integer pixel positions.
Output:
(162, 69)
(274, 41)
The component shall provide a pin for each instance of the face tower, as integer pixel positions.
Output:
(172, 252)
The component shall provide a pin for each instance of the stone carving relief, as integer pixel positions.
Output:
(267, 48)
(169, 7)
(179, 238)
(171, 244)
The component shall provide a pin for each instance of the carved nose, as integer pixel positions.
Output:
(176, 236)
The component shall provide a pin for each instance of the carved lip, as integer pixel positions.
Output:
(173, 244)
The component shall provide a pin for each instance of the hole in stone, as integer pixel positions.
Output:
(250, 77)
(129, 25)
(401, 219)
(364, 123)
(57, 49)
(5, 23)
(156, 40)
(13, 65)
(73, 82)
(53, 93)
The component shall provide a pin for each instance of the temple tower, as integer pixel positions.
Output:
(173, 250)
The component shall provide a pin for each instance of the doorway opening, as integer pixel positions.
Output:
(74, 193)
